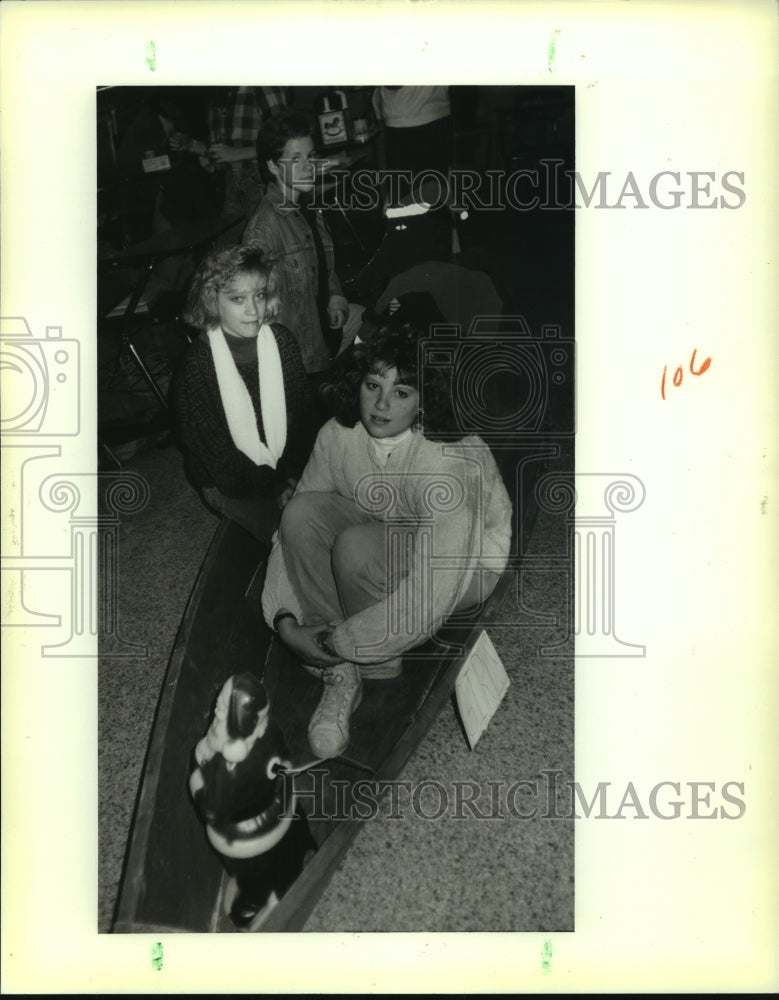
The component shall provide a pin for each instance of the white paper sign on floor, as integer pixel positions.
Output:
(480, 688)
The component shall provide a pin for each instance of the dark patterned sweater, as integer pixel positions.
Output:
(210, 457)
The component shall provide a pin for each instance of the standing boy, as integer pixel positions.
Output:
(295, 235)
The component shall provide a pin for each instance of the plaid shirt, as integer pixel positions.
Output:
(237, 120)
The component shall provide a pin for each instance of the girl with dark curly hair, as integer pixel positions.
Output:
(241, 396)
(397, 522)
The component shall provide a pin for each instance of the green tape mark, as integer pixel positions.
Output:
(156, 956)
(552, 51)
(151, 56)
(546, 957)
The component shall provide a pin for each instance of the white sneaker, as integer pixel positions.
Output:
(328, 731)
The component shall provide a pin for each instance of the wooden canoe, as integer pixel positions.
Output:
(173, 880)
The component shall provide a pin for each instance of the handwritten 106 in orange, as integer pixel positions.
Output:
(678, 375)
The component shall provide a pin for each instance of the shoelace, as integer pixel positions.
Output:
(334, 680)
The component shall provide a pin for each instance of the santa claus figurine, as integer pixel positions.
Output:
(241, 795)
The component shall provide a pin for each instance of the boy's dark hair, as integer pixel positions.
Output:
(276, 131)
(217, 271)
(394, 347)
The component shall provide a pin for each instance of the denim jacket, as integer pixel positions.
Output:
(277, 226)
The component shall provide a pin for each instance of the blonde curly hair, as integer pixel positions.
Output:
(216, 272)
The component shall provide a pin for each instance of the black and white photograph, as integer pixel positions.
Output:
(407, 252)
(389, 478)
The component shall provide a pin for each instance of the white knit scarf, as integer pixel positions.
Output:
(241, 418)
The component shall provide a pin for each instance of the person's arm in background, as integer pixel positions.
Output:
(245, 118)
(180, 142)
(222, 152)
